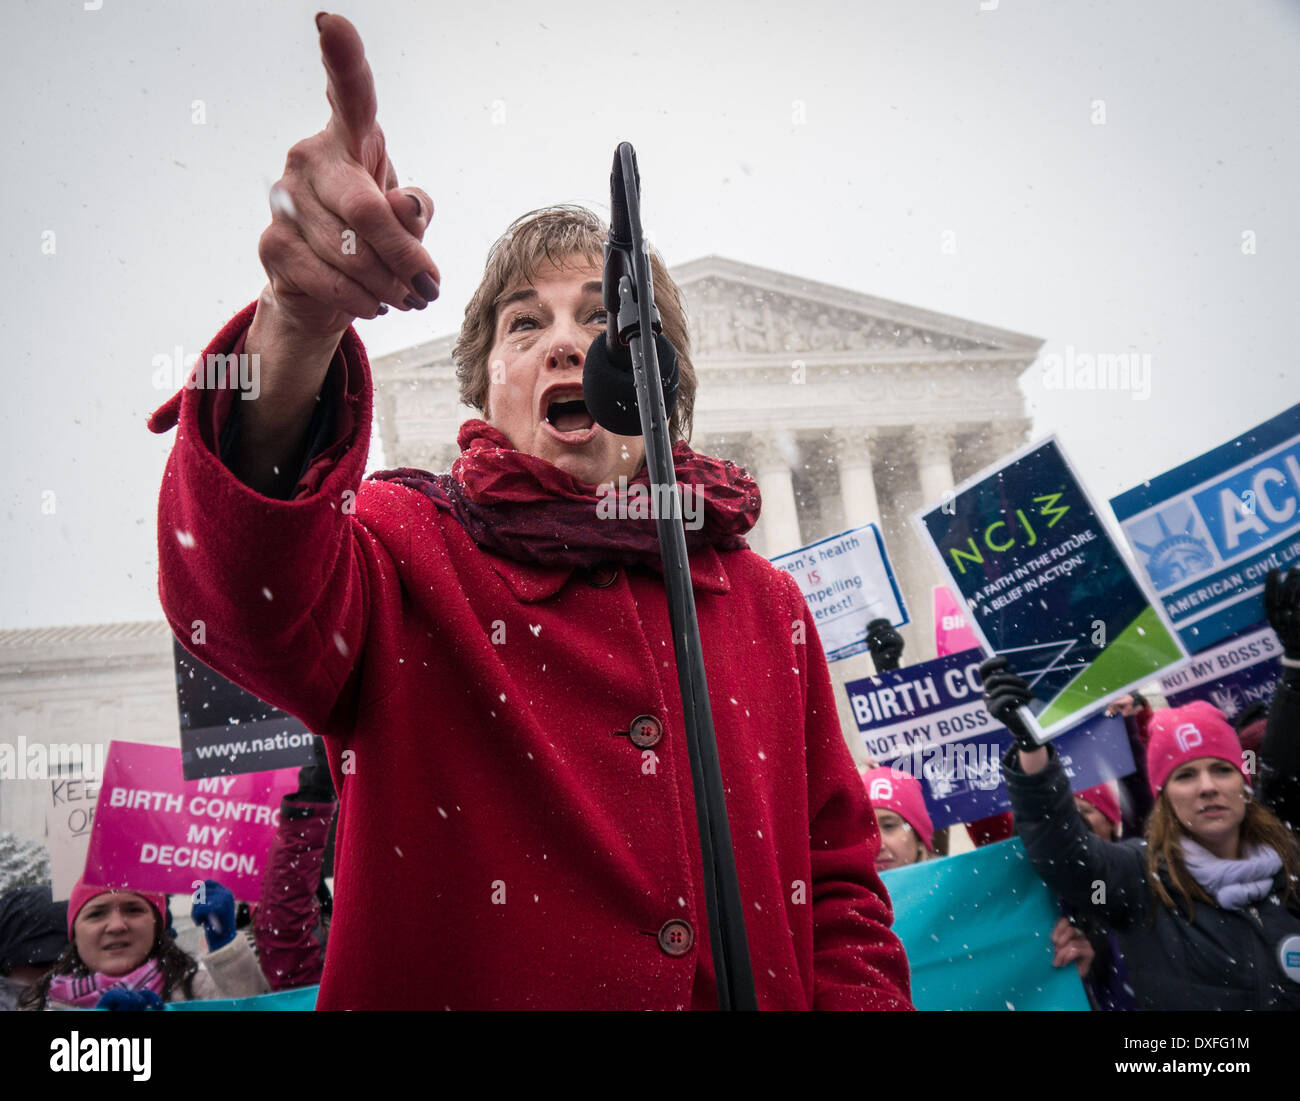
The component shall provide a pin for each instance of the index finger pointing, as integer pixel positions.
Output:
(350, 87)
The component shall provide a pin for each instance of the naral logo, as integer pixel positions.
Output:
(880, 789)
(1187, 736)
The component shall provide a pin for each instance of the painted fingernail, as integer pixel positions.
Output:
(413, 303)
(426, 285)
(382, 310)
(319, 16)
(419, 210)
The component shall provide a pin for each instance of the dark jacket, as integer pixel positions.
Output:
(1279, 753)
(1224, 959)
(288, 919)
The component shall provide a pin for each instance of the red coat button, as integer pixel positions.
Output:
(646, 731)
(602, 577)
(676, 937)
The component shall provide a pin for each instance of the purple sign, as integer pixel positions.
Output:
(929, 721)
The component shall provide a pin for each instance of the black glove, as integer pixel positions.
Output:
(885, 644)
(1004, 694)
(120, 999)
(1282, 606)
(315, 785)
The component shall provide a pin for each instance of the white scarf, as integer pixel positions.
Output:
(1234, 883)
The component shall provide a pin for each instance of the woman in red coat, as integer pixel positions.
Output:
(489, 661)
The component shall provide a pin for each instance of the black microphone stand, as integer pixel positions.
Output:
(637, 317)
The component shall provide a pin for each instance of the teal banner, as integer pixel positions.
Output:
(301, 1000)
(978, 932)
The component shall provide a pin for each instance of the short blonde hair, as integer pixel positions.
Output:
(556, 235)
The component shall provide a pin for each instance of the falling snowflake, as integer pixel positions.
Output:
(442, 812)
(342, 646)
(184, 538)
(266, 592)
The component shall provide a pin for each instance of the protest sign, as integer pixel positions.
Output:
(1232, 676)
(1046, 587)
(1209, 531)
(930, 721)
(977, 928)
(847, 581)
(952, 634)
(156, 831)
(226, 731)
(69, 816)
(301, 1000)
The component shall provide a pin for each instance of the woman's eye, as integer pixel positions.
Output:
(599, 317)
(519, 321)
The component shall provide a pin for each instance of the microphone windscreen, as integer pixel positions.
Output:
(609, 388)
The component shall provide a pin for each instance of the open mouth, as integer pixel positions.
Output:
(567, 416)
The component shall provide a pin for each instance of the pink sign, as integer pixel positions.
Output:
(156, 831)
(952, 635)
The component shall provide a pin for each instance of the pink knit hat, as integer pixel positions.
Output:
(84, 892)
(889, 789)
(1181, 734)
(1103, 799)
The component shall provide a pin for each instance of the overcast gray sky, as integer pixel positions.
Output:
(920, 150)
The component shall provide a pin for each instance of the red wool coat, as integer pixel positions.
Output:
(500, 843)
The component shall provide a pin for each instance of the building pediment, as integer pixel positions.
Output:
(741, 310)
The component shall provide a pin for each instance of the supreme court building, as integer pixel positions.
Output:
(846, 409)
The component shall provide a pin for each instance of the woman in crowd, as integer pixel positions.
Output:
(906, 833)
(121, 955)
(1207, 913)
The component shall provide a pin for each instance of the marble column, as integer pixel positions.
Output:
(1005, 437)
(933, 444)
(853, 455)
(776, 483)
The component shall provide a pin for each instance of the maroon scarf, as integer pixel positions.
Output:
(521, 507)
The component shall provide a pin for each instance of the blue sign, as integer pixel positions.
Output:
(977, 929)
(299, 1000)
(1022, 544)
(1207, 532)
(1231, 676)
(929, 721)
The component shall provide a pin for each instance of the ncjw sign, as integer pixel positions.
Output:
(1046, 587)
(930, 721)
(847, 581)
(1208, 532)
